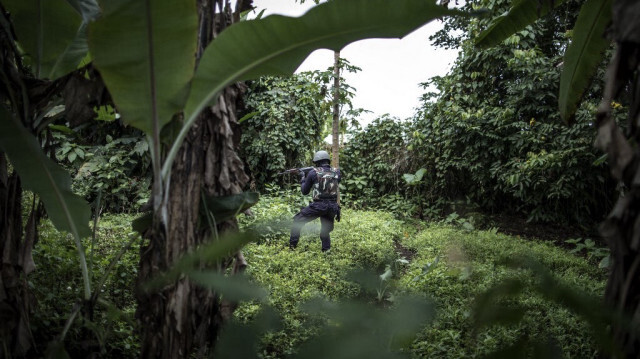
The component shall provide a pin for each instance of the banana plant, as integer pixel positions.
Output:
(583, 54)
(51, 38)
(52, 33)
(151, 75)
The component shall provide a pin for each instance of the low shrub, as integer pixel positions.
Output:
(57, 286)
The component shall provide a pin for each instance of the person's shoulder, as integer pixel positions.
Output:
(312, 173)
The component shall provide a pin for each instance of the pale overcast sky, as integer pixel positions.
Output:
(392, 69)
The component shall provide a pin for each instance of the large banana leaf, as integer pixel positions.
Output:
(89, 9)
(521, 14)
(584, 54)
(47, 31)
(276, 45)
(145, 52)
(38, 173)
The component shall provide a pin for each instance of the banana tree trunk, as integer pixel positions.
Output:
(183, 319)
(15, 332)
(622, 227)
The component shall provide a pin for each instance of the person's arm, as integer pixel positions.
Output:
(308, 181)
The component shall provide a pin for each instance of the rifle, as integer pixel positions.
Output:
(295, 171)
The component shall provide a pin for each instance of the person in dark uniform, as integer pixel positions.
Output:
(323, 180)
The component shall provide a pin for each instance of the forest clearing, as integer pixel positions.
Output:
(441, 271)
(171, 186)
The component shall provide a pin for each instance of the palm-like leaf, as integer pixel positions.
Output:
(276, 45)
(521, 14)
(145, 52)
(47, 31)
(584, 54)
(89, 9)
(50, 182)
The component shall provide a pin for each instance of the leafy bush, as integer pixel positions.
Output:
(284, 120)
(376, 158)
(117, 169)
(377, 161)
(112, 331)
(492, 134)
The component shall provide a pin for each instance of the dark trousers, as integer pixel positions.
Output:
(324, 210)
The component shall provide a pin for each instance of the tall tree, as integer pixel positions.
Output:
(335, 133)
(183, 317)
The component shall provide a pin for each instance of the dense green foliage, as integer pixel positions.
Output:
(492, 135)
(455, 266)
(285, 119)
(57, 285)
(451, 266)
(375, 160)
(106, 160)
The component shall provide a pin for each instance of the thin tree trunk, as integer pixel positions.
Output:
(183, 319)
(335, 147)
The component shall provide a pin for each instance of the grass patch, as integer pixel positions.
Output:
(449, 265)
(292, 277)
(454, 266)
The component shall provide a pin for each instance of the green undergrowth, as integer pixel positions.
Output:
(57, 286)
(292, 277)
(446, 268)
(448, 265)
(455, 266)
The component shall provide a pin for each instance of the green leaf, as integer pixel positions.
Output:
(38, 173)
(387, 274)
(248, 116)
(409, 178)
(521, 14)
(276, 45)
(146, 56)
(61, 128)
(56, 350)
(235, 288)
(49, 32)
(361, 330)
(241, 340)
(486, 310)
(583, 54)
(605, 262)
(89, 9)
(413, 179)
(225, 207)
(210, 252)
